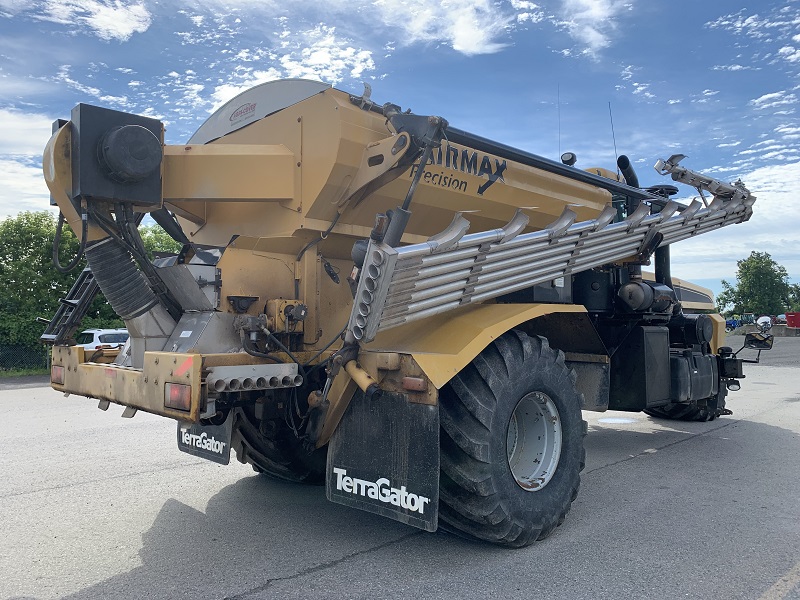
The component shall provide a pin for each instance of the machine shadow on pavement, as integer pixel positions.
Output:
(260, 538)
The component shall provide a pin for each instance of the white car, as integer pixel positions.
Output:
(92, 339)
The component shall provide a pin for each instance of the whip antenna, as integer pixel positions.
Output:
(558, 104)
(613, 137)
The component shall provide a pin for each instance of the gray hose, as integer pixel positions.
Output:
(123, 285)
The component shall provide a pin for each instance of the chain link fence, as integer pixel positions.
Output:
(14, 357)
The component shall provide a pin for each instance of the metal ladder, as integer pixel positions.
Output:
(61, 328)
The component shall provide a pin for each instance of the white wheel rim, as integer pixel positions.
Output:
(533, 441)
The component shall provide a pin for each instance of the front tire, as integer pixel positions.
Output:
(511, 443)
(272, 449)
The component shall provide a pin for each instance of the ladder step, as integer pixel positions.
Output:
(71, 309)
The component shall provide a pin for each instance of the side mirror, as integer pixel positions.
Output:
(759, 341)
(764, 323)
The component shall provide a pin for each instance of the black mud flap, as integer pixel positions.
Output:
(384, 459)
(212, 442)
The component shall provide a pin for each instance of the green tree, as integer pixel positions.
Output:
(30, 286)
(762, 287)
(794, 298)
(155, 239)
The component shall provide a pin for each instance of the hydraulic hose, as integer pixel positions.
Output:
(57, 240)
(250, 348)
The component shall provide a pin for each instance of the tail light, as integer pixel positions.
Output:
(178, 396)
(57, 374)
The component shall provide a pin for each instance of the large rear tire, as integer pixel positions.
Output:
(272, 449)
(511, 443)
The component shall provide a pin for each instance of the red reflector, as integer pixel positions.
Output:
(415, 384)
(178, 396)
(57, 374)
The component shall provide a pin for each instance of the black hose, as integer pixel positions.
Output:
(288, 352)
(329, 344)
(250, 348)
(309, 245)
(127, 225)
(123, 285)
(81, 249)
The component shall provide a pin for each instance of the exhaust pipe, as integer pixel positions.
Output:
(626, 168)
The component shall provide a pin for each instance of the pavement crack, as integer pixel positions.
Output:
(321, 566)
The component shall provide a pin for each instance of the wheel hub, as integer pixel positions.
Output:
(533, 442)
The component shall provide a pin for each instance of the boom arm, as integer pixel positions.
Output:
(701, 182)
(401, 285)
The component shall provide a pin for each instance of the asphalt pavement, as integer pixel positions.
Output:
(95, 506)
(785, 351)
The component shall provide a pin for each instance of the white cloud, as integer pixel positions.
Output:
(642, 89)
(527, 11)
(729, 144)
(756, 150)
(471, 27)
(767, 32)
(790, 53)
(325, 57)
(23, 133)
(13, 7)
(627, 72)
(592, 23)
(752, 26)
(734, 67)
(107, 19)
(772, 100)
(23, 137)
(23, 186)
(317, 54)
(772, 229)
(14, 87)
(224, 92)
(788, 131)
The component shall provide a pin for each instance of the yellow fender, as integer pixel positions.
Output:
(444, 344)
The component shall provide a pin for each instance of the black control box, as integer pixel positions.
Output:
(116, 156)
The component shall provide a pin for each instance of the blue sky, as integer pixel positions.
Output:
(717, 81)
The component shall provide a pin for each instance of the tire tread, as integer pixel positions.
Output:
(470, 504)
